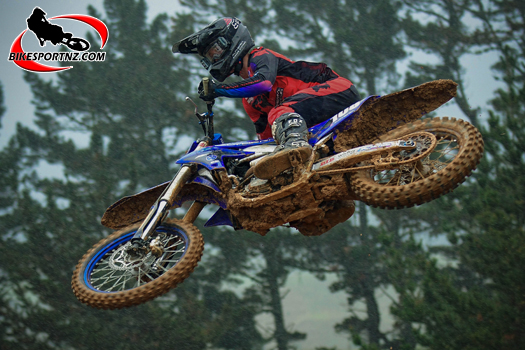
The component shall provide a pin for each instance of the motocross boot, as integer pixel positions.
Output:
(291, 134)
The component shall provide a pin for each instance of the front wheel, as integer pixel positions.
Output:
(457, 153)
(108, 277)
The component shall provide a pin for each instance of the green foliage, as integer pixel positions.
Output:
(2, 107)
(439, 28)
(127, 117)
(359, 39)
(475, 301)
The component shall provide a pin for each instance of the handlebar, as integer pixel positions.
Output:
(205, 84)
(205, 119)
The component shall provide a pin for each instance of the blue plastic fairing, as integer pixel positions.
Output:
(341, 121)
(220, 218)
(213, 157)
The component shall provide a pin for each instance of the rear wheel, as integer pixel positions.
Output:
(78, 44)
(108, 277)
(457, 153)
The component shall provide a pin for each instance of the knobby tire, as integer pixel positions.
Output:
(151, 289)
(469, 152)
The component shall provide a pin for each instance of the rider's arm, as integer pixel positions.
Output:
(265, 72)
(256, 85)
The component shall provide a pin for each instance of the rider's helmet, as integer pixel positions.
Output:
(38, 12)
(222, 45)
(37, 16)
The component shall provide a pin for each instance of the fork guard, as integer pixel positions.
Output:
(135, 208)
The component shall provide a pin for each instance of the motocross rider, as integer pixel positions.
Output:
(44, 30)
(283, 98)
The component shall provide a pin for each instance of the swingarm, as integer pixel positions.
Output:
(379, 155)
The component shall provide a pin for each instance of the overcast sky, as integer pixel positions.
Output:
(17, 94)
(13, 15)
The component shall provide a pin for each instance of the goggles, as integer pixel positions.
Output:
(214, 53)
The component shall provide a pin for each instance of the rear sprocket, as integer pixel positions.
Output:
(458, 151)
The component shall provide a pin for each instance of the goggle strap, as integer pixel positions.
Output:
(206, 63)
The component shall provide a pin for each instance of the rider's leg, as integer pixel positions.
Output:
(313, 106)
(291, 134)
(321, 102)
(259, 115)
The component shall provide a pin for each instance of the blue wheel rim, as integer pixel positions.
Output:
(120, 241)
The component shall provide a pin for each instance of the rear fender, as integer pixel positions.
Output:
(379, 115)
(395, 109)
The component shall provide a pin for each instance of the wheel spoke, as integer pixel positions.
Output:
(118, 271)
(162, 267)
(419, 172)
(109, 270)
(105, 277)
(437, 165)
(115, 284)
(446, 149)
(413, 173)
(175, 251)
(151, 278)
(138, 278)
(174, 245)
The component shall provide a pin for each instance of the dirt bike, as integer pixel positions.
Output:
(378, 151)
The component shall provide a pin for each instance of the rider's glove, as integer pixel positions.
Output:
(211, 91)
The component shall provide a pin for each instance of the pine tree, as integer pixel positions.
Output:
(475, 301)
(2, 107)
(130, 110)
(439, 28)
(241, 251)
(360, 40)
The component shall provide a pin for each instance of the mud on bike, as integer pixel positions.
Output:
(381, 151)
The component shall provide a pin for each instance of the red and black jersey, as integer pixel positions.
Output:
(274, 79)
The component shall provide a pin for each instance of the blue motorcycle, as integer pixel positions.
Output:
(379, 151)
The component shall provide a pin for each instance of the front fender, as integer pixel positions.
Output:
(132, 209)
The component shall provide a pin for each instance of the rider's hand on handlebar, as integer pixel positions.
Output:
(211, 91)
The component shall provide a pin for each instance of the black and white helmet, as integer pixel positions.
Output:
(222, 45)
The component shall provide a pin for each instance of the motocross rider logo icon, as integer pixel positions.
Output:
(46, 31)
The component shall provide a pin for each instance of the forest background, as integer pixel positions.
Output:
(446, 275)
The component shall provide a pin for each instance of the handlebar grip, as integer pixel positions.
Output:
(205, 82)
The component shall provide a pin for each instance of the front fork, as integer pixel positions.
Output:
(159, 211)
(164, 203)
(161, 208)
